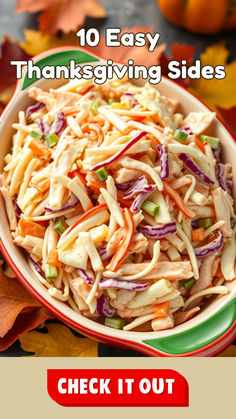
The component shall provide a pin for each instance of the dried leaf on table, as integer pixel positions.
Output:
(29, 320)
(178, 53)
(37, 42)
(10, 50)
(183, 52)
(229, 118)
(59, 341)
(17, 304)
(122, 54)
(64, 15)
(216, 92)
(230, 351)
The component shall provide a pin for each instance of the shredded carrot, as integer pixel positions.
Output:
(53, 258)
(87, 214)
(76, 172)
(198, 234)
(219, 273)
(124, 245)
(159, 128)
(199, 144)
(87, 90)
(161, 310)
(27, 227)
(39, 148)
(138, 118)
(178, 200)
(95, 128)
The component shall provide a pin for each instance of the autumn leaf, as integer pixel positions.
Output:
(178, 53)
(215, 92)
(230, 351)
(19, 312)
(37, 42)
(13, 300)
(183, 52)
(10, 50)
(64, 15)
(59, 341)
(29, 320)
(6, 94)
(229, 117)
(122, 54)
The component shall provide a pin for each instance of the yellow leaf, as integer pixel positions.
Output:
(216, 92)
(59, 341)
(230, 351)
(36, 42)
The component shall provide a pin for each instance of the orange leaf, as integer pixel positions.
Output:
(65, 15)
(13, 299)
(19, 312)
(25, 322)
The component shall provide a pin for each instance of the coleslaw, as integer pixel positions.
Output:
(121, 203)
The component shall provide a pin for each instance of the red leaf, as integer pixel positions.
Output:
(229, 117)
(183, 52)
(179, 53)
(10, 50)
(24, 322)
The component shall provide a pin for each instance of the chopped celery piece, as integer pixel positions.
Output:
(116, 323)
(112, 100)
(52, 139)
(180, 135)
(51, 271)
(150, 208)
(188, 283)
(60, 226)
(102, 173)
(212, 141)
(36, 134)
(233, 223)
(204, 222)
(173, 254)
(94, 107)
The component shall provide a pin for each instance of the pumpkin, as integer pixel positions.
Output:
(200, 16)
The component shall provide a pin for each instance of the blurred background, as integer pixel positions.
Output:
(189, 29)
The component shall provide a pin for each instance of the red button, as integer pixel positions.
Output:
(117, 387)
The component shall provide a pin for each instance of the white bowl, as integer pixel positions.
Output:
(204, 335)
